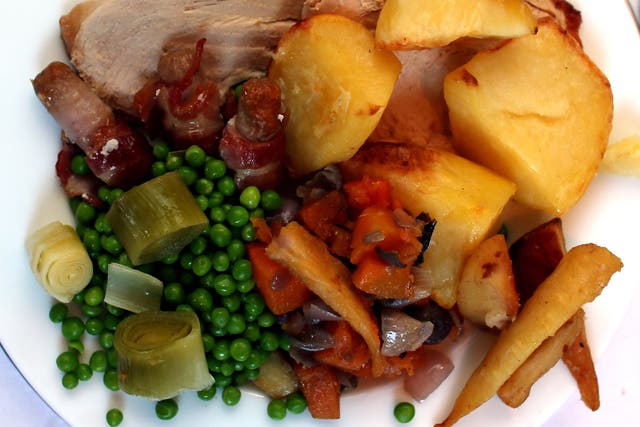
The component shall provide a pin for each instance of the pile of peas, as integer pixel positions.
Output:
(211, 277)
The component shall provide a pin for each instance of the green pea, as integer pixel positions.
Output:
(269, 341)
(202, 202)
(158, 168)
(166, 409)
(266, 319)
(253, 304)
(91, 310)
(58, 312)
(248, 232)
(111, 321)
(111, 244)
(85, 213)
(232, 302)
(213, 364)
(94, 326)
(204, 187)
(254, 360)
(226, 185)
(84, 372)
(252, 374)
(114, 311)
(67, 361)
(184, 307)
(112, 358)
(124, 259)
(236, 250)
(114, 417)
(207, 342)
(284, 342)
(110, 379)
(72, 328)
(277, 409)
(215, 199)
(170, 259)
(236, 324)
(271, 200)
(250, 197)
(161, 150)
(94, 295)
(106, 339)
(76, 346)
(201, 265)
(231, 395)
(174, 161)
(220, 261)
(220, 235)
(103, 194)
(103, 262)
(246, 286)
(115, 194)
(79, 297)
(188, 175)
(256, 213)
(224, 284)
(79, 165)
(174, 293)
(201, 300)
(240, 349)
(207, 393)
(214, 169)
(296, 403)
(101, 224)
(195, 156)
(240, 378)
(186, 260)
(223, 381)
(252, 332)
(91, 240)
(217, 214)
(98, 361)
(404, 412)
(69, 380)
(242, 270)
(221, 350)
(198, 245)
(238, 216)
(227, 368)
(220, 317)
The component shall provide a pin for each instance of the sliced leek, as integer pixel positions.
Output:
(160, 354)
(59, 260)
(156, 219)
(131, 289)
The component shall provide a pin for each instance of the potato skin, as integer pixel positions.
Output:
(536, 110)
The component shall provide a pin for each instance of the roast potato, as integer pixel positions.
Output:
(536, 110)
(335, 86)
(419, 24)
(487, 291)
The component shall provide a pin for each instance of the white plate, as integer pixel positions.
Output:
(30, 40)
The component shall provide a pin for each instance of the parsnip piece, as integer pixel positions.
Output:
(59, 260)
(335, 86)
(623, 157)
(487, 290)
(577, 357)
(419, 24)
(580, 277)
(464, 198)
(308, 258)
(277, 377)
(517, 388)
(536, 110)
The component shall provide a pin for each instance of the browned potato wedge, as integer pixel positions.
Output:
(487, 291)
(516, 389)
(579, 278)
(335, 86)
(277, 378)
(415, 24)
(535, 255)
(577, 357)
(464, 198)
(536, 110)
(623, 157)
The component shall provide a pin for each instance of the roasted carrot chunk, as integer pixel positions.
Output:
(281, 290)
(376, 277)
(321, 389)
(368, 192)
(349, 351)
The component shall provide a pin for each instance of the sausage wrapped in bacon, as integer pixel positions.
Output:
(253, 142)
(115, 153)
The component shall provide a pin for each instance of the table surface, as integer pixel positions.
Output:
(618, 372)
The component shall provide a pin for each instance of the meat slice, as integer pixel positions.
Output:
(116, 44)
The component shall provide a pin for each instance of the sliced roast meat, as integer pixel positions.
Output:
(116, 44)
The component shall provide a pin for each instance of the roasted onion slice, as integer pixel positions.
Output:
(59, 260)
(160, 354)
